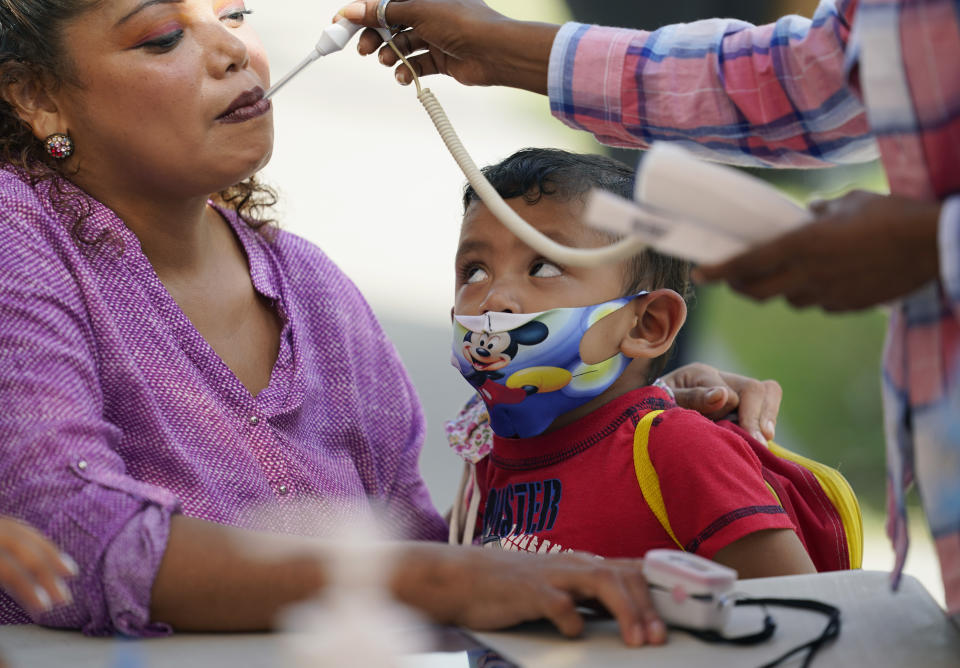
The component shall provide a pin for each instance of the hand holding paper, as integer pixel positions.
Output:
(861, 250)
(854, 252)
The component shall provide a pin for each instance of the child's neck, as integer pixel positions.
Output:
(633, 377)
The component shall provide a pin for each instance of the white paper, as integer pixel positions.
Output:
(695, 210)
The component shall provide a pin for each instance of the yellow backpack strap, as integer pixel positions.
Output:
(841, 495)
(647, 475)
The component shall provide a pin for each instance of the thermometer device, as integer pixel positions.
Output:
(333, 38)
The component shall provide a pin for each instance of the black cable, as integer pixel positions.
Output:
(830, 631)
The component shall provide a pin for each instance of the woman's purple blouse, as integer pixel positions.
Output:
(116, 413)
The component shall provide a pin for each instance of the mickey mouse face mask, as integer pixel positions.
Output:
(531, 368)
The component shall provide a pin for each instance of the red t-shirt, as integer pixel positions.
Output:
(576, 488)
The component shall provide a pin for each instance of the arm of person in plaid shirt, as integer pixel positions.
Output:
(772, 95)
(860, 250)
(776, 94)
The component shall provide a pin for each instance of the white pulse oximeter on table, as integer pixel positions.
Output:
(689, 591)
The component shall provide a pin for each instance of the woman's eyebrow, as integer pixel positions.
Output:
(144, 5)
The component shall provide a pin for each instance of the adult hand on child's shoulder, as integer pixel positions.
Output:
(716, 394)
(493, 589)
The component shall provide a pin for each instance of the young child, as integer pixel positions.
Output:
(563, 359)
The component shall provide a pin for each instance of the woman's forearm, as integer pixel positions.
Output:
(214, 578)
(220, 578)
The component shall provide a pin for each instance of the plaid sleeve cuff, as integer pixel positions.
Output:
(948, 239)
(560, 72)
(591, 80)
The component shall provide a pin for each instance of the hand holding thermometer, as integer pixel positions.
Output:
(336, 36)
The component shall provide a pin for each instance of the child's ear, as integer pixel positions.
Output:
(658, 317)
(30, 95)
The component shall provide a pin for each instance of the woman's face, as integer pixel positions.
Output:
(151, 99)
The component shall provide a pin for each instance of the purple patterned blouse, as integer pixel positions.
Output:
(117, 413)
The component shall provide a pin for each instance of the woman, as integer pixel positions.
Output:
(173, 365)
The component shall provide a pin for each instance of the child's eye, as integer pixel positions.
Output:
(475, 275)
(545, 270)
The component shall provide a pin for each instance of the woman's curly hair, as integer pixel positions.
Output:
(30, 48)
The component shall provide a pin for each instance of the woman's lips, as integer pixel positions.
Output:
(247, 106)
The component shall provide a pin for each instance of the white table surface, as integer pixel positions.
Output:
(879, 628)
(31, 646)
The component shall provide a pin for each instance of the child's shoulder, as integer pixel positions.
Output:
(680, 433)
(677, 418)
(654, 411)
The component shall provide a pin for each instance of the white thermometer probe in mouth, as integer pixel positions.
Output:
(333, 39)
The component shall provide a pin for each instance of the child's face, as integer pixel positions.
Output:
(495, 271)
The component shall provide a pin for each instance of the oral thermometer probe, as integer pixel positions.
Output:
(332, 39)
(336, 36)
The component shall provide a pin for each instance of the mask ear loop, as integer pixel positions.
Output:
(580, 257)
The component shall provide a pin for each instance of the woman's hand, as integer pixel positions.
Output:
(716, 394)
(861, 250)
(464, 39)
(32, 570)
(486, 589)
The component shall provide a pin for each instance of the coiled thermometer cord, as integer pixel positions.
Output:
(335, 38)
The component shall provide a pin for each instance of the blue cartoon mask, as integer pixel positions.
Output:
(531, 368)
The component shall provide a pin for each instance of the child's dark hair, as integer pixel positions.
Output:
(533, 173)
